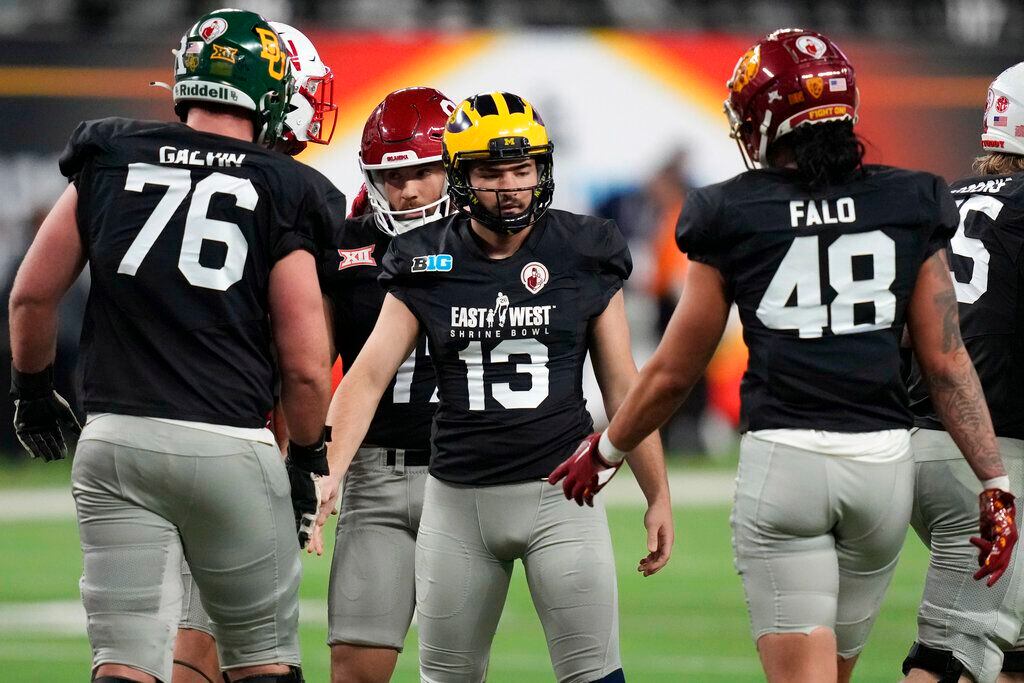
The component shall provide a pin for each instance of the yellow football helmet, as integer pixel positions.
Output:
(497, 126)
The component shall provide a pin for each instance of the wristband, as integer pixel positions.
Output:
(608, 452)
(1002, 482)
(31, 385)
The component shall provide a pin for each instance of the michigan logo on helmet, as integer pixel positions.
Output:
(233, 57)
(789, 78)
(497, 126)
(405, 129)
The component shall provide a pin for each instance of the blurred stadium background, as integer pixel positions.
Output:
(631, 91)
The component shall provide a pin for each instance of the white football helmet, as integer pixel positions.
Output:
(312, 111)
(1004, 113)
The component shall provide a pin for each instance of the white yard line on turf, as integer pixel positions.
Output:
(688, 488)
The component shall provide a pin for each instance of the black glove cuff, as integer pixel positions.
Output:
(31, 385)
(312, 458)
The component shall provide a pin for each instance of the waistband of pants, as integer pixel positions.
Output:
(401, 457)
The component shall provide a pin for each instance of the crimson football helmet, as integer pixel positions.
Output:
(312, 112)
(404, 130)
(790, 78)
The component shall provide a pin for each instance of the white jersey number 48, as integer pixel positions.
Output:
(792, 300)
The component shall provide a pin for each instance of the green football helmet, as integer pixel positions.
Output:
(233, 57)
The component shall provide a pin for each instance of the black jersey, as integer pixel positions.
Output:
(821, 282)
(351, 268)
(181, 229)
(988, 272)
(508, 339)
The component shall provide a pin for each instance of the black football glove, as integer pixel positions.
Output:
(43, 420)
(304, 464)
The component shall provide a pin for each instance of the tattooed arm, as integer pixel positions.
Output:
(934, 326)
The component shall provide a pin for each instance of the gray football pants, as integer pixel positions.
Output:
(148, 493)
(975, 622)
(372, 592)
(817, 538)
(469, 538)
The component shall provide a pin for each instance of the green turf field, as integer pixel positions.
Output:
(687, 623)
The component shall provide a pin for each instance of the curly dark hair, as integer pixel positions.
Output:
(827, 153)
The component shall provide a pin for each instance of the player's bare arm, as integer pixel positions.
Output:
(51, 266)
(934, 325)
(679, 361)
(616, 373)
(355, 400)
(300, 334)
(664, 383)
(43, 420)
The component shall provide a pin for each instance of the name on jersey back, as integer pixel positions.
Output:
(195, 157)
(803, 213)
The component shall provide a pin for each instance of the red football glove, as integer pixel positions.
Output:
(998, 533)
(360, 203)
(585, 472)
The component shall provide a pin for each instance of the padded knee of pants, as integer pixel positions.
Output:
(614, 677)
(942, 663)
(1013, 662)
(294, 675)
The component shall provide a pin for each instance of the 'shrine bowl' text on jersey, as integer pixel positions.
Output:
(182, 229)
(508, 339)
(822, 281)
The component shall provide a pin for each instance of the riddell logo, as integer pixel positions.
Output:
(363, 256)
(999, 144)
(205, 91)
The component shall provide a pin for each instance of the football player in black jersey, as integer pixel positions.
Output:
(963, 626)
(200, 243)
(310, 119)
(826, 259)
(511, 296)
(372, 591)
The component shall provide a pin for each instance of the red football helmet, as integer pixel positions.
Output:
(404, 130)
(787, 79)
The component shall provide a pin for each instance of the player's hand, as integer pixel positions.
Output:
(330, 487)
(43, 421)
(660, 537)
(306, 465)
(585, 472)
(998, 529)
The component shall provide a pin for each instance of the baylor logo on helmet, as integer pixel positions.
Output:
(272, 52)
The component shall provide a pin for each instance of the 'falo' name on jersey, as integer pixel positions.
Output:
(810, 212)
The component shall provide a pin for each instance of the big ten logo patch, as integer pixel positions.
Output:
(432, 263)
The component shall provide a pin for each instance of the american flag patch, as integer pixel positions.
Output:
(999, 121)
(837, 84)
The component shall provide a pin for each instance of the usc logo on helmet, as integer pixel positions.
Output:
(746, 69)
(276, 57)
